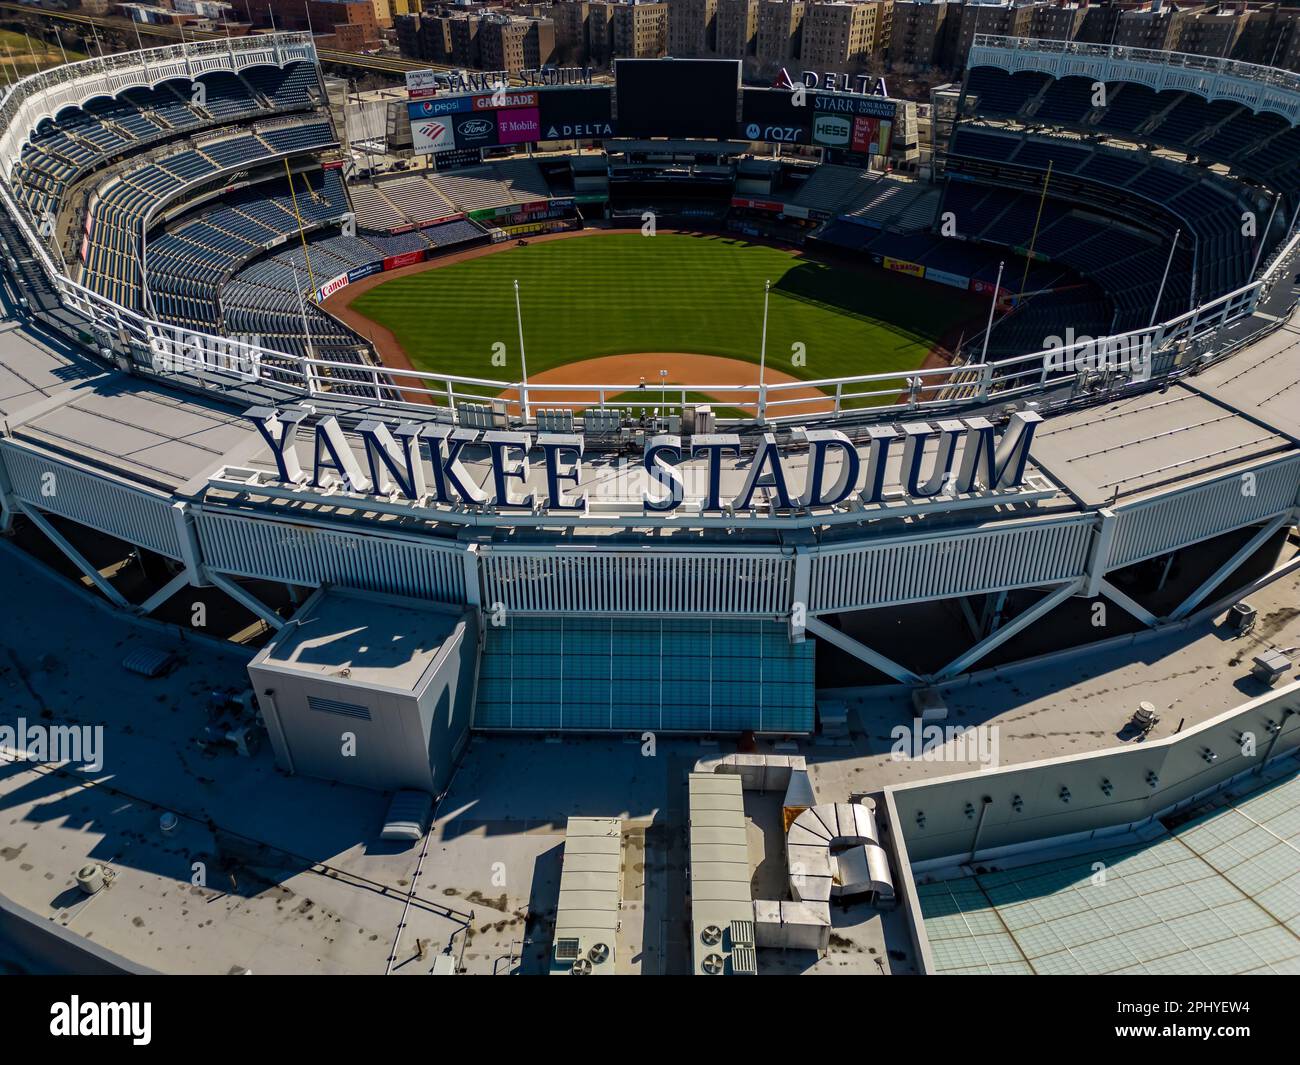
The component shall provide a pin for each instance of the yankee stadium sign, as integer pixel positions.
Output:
(439, 465)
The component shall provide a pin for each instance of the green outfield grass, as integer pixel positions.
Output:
(620, 293)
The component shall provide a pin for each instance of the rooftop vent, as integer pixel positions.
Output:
(712, 964)
(712, 934)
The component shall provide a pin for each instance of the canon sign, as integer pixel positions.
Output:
(425, 463)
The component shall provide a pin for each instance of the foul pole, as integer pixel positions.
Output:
(762, 354)
(523, 359)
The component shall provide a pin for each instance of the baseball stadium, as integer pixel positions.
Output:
(660, 473)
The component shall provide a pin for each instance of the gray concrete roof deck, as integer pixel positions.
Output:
(1070, 704)
(381, 641)
(1144, 443)
(282, 917)
(1266, 385)
(139, 430)
(31, 370)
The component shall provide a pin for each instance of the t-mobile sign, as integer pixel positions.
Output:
(519, 125)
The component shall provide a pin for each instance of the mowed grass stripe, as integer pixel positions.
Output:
(623, 293)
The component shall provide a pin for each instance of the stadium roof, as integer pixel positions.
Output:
(1217, 895)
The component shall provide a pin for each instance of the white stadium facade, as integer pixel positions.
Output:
(170, 387)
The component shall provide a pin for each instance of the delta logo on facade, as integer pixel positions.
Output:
(424, 464)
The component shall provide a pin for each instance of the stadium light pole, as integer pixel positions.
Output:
(1160, 292)
(1263, 237)
(762, 354)
(523, 360)
(302, 310)
(993, 304)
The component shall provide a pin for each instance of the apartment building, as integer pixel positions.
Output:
(1006, 19)
(572, 44)
(916, 40)
(426, 37)
(838, 35)
(1056, 22)
(691, 27)
(640, 31)
(515, 44)
(1212, 33)
(464, 42)
(600, 32)
(735, 28)
(1158, 27)
(779, 35)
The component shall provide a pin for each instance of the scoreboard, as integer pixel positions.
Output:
(677, 97)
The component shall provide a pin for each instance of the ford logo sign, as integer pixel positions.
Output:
(475, 127)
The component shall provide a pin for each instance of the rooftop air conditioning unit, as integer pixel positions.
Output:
(1241, 617)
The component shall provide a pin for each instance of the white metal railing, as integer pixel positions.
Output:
(224, 363)
(38, 96)
(1282, 79)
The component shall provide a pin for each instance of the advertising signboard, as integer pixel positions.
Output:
(406, 258)
(770, 115)
(475, 130)
(757, 205)
(944, 277)
(431, 135)
(331, 286)
(439, 105)
(567, 114)
(519, 126)
(871, 135)
(421, 84)
(357, 273)
(833, 131)
(902, 266)
(833, 119)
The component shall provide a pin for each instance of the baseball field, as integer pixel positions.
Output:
(624, 294)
